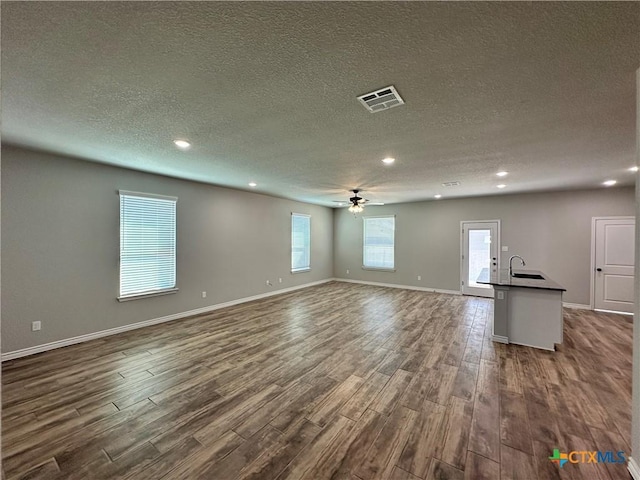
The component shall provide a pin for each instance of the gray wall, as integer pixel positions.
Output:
(635, 404)
(60, 220)
(552, 231)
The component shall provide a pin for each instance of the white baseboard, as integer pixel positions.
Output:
(612, 311)
(500, 339)
(533, 346)
(146, 323)
(633, 468)
(405, 287)
(578, 306)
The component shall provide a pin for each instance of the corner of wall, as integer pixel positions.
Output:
(635, 402)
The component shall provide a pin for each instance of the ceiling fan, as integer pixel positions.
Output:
(356, 203)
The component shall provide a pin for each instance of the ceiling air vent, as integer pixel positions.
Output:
(450, 184)
(382, 99)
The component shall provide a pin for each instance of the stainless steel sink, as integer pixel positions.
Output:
(533, 276)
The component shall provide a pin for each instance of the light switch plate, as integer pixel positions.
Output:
(505, 248)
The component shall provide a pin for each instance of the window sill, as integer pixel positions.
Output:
(300, 270)
(127, 298)
(376, 269)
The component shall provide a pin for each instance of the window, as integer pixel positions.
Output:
(300, 242)
(378, 249)
(147, 245)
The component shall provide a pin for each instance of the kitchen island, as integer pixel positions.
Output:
(527, 308)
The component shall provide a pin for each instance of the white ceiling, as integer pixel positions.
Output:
(266, 92)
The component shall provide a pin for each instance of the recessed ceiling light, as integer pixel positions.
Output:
(182, 143)
(253, 184)
(502, 185)
(633, 169)
(609, 183)
(388, 160)
(502, 174)
(437, 196)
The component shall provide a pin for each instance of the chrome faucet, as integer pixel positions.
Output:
(511, 263)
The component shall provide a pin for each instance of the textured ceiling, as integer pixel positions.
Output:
(266, 92)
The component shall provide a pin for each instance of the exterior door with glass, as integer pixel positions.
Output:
(480, 247)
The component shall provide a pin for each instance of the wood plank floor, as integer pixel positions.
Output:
(338, 381)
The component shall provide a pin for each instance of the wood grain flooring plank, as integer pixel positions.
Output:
(386, 401)
(236, 414)
(545, 469)
(253, 423)
(484, 437)
(306, 403)
(387, 448)
(276, 458)
(441, 390)
(38, 448)
(358, 403)
(349, 448)
(398, 474)
(510, 373)
(611, 441)
(447, 397)
(45, 470)
(514, 424)
(314, 452)
(415, 395)
(423, 439)
(198, 464)
(516, 465)
(464, 384)
(481, 468)
(454, 449)
(441, 471)
(334, 401)
(163, 462)
(392, 362)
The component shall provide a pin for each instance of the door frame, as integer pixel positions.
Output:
(498, 247)
(592, 285)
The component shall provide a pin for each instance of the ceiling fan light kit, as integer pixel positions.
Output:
(356, 202)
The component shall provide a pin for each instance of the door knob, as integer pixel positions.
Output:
(598, 269)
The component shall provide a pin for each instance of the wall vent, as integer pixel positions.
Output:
(450, 184)
(382, 99)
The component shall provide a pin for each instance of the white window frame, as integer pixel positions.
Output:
(151, 292)
(308, 267)
(364, 238)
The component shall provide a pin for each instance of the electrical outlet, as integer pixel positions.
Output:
(279, 280)
(419, 277)
(35, 326)
(500, 295)
(347, 271)
(204, 294)
(505, 248)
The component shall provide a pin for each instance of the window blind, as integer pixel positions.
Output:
(379, 238)
(300, 242)
(147, 244)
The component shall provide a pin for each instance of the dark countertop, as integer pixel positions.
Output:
(502, 278)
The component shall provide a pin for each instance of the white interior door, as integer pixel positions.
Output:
(614, 261)
(479, 250)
